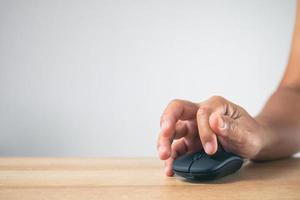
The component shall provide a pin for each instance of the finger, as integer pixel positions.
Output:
(194, 144)
(231, 130)
(226, 127)
(225, 143)
(178, 148)
(236, 137)
(185, 128)
(181, 129)
(168, 166)
(192, 139)
(207, 136)
(233, 135)
(214, 122)
(176, 110)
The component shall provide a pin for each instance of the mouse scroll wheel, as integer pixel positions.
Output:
(197, 156)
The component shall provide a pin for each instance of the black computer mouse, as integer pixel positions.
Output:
(202, 167)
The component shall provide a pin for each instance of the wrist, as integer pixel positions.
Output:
(264, 139)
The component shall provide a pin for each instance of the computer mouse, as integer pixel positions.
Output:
(202, 167)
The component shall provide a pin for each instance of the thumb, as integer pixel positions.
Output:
(224, 126)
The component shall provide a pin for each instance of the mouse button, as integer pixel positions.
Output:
(183, 163)
(221, 156)
(204, 164)
(198, 155)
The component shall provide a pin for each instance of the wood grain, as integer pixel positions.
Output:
(139, 178)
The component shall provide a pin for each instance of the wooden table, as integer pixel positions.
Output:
(139, 178)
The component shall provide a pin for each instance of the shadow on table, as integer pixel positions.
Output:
(261, 171)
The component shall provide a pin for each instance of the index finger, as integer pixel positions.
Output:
(176, 110)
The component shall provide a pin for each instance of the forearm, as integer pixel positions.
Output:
(280, 118)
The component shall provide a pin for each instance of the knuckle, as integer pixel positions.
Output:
(216, 98)
(175, 102)
(180, 125)
(203, 109)
(171, 105)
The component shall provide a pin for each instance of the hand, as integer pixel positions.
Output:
(189, 127)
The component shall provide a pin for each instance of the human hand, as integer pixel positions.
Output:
(189, 127)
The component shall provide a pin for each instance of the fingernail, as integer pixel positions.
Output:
(221, 124)
(208, 147)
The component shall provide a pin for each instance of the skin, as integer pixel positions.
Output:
(273, 134)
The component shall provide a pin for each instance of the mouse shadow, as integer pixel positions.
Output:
(258, 171)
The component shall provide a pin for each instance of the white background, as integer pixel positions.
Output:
(91, 78)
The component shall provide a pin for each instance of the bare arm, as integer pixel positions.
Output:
(275, 133)
(281, 114)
